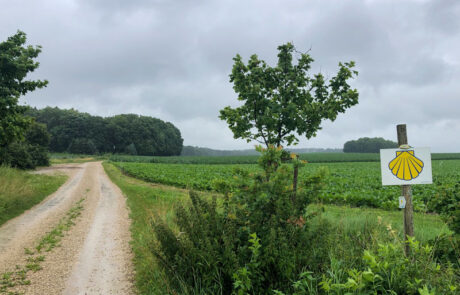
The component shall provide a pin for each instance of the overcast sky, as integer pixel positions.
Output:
(171, 60)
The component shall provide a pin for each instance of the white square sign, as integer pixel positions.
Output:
(406, 166)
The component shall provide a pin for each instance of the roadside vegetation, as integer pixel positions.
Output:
(147, 201)
(338, 238)
(20, 190)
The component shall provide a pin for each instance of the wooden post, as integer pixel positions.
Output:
(406, 191)
(294, 184)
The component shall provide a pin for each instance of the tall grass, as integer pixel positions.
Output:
(20, 190)
(147, 201)
(427, 226)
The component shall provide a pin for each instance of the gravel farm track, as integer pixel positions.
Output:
(94, 256)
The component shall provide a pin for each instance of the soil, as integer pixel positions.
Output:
(94, 257)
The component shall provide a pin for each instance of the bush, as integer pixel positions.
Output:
(17, 155)
(38, 135)
(446, 202)
(23, 155)
(257, 241)
(29, 153)
(386, 270)
(39, 155)
(447, 249)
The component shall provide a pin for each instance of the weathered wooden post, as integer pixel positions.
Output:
(294, 184)
(406, 189)
(406, 166)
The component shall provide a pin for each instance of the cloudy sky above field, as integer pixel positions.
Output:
(171, 60)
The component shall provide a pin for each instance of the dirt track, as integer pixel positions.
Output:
(94, 256)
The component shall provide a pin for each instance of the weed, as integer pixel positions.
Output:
(51, 240)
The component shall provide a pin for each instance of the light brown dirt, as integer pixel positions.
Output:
(94, 256)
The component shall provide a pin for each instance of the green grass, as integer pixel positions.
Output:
(426, 226)
(146, 201)
(310, 157)
(351, 227)
(20, 190)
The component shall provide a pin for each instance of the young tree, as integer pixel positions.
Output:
(282, 101)
(16, 61)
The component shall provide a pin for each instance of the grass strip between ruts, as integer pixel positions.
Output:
(47, 243)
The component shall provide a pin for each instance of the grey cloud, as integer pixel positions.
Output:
(171, 59)
(443, 16)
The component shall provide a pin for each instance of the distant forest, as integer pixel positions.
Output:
(368, 145)
(201, 151)
(75, 132)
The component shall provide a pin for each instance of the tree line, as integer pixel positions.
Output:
(368, 145)
(27, 133)
(81, 133)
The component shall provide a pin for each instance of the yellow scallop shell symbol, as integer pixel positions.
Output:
(406, 165)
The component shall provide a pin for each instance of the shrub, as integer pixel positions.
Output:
(38, 135)
(447, 249)
(386, 270)
(17, 155)
(258, 240)
(200, 255)
(446, 202)
(390, 271)
(29, 153)
(23, 155)
(39, 155)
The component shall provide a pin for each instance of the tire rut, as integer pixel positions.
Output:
(94, 257)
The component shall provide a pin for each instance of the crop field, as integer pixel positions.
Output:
(352, 183)
(310, 157)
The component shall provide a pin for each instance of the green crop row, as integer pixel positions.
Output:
(352, 183)
(310, 157)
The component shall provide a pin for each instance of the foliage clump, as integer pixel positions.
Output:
(282, 101)
(23, 143)
(446, 202)
(386, 270)
(30, 152)
(257, 236)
